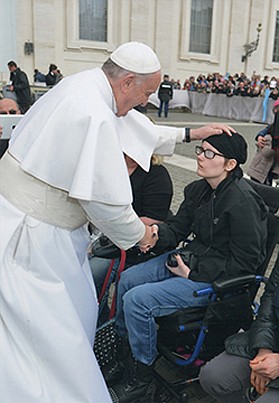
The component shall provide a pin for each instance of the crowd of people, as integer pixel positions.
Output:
(18, 88)
(230, 85)
(53, 76)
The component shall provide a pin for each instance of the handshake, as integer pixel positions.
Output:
(150, 238)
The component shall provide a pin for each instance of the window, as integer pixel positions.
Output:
(201, 25)
(93, 20)
(275, 57)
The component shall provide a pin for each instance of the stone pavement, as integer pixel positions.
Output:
(181, 167)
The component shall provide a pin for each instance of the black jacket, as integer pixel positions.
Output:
(152, 192)
(51, 79)
(165, 92)
(229, 227)
(22, 89)
(264, 332)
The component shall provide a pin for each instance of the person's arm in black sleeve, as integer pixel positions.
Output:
(264, 331)
(177, 228)
(160, 91)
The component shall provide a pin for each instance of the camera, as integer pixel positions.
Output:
(185, 256)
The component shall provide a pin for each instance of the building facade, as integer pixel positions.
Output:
(190, 37)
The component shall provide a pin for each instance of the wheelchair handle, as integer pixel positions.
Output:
(203, 291)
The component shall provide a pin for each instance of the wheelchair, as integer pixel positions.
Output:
(190, 337)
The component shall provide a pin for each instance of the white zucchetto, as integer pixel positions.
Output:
(136, 57)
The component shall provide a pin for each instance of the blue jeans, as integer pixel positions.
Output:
(166, 109)
(146, 291)
(99, 268)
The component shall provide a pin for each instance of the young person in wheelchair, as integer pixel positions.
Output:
(229, 222)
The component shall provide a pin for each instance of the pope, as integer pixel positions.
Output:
(64, 167)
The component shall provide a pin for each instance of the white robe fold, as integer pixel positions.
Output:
(86, 158)
(48, 310)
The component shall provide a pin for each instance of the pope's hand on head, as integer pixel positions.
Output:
(209, 130)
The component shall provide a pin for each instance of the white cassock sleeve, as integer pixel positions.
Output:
(119, 223)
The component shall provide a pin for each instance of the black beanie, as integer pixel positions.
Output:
(230, 146)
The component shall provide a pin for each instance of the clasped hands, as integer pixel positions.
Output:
(150, 238)
(265, 367)
(149, 241)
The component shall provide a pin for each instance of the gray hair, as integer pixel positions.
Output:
(114, 72)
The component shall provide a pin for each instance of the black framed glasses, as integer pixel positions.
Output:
(9, 112)
(209, 154)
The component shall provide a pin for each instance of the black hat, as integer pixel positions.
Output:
(230, 146)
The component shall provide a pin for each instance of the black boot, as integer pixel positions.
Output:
(137, 386)
(114, 371)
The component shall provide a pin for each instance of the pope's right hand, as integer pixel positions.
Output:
(150, 238)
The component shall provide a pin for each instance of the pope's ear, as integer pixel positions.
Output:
(126, 83)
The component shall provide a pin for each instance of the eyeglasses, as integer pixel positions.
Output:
(209, 154)
(10, 112)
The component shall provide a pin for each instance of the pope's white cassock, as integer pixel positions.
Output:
(65, 166)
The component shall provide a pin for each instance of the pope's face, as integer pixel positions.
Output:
(136, 91)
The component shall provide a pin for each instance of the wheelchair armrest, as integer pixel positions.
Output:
(235, 282)
(231, 284)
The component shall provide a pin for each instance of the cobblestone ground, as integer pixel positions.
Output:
(181, 177)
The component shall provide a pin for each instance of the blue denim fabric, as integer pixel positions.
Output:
(166, 108)
(146, 291)
(99, 268)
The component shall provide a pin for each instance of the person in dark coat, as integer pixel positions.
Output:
(165, 94)
(248, 370)
(20, 85)
(53, 76)
(229, 222)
